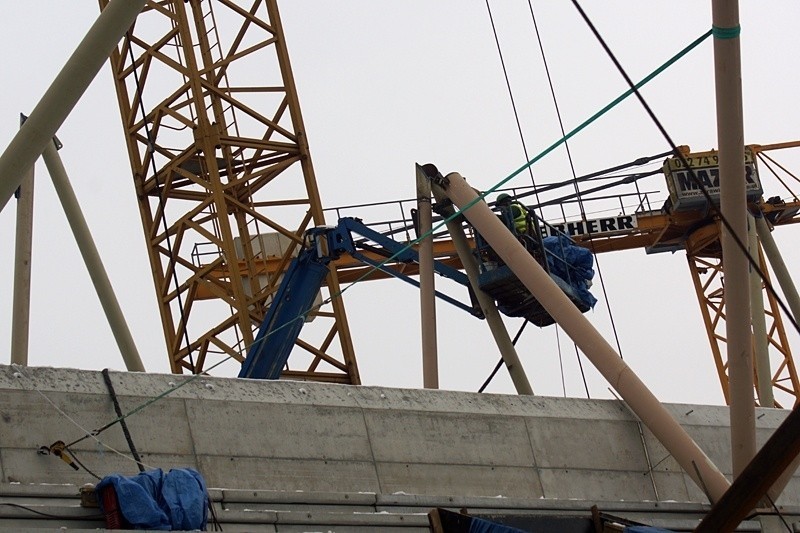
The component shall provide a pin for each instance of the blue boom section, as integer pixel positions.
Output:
(573, 264)
(267, 356)
(275, 339)
(341, 240)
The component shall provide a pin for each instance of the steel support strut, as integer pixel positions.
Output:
(646, 406)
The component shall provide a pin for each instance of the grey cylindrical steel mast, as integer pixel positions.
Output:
(666, 429)
(733, 205)
(766, 397)
(427, 294)
(779, 267)
(21, 306)
(793, 300)
(92, 259)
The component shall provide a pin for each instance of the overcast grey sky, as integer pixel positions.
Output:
(384, 85)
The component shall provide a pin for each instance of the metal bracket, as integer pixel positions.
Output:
(433, 174)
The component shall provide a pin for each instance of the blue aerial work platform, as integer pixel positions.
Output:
(294, 299)
(570, 267)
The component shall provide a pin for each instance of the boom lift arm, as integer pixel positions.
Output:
(294, 300)
(267, 355)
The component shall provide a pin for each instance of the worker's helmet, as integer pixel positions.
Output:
(503, 198)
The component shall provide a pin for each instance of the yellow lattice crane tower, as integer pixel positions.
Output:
(223, 177)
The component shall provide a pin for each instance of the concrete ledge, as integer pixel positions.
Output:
(351, 512)
(39, 490)
(332, 439)
(415, 501)
(46, 524)
(68, 512)
(248, 516)
(274, 496)
(315, 502)
(377, 520)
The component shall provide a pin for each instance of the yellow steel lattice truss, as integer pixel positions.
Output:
(224, 180)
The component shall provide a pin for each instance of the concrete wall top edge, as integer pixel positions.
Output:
(149, 385)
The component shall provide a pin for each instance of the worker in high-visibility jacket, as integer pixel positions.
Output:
(519, 213)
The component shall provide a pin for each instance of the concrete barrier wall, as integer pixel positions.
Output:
(314, 437)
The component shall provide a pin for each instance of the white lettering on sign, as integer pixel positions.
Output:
(596, 226)
(686, 192)
(709, 178)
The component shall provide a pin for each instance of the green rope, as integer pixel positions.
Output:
(457, 213)
(545, 152)
(726, 33)
(604, 110)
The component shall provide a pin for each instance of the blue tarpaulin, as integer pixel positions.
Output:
(571, 263)
(176, 500)
(479, 525)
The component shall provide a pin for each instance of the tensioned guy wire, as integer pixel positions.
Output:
(577, 193)
(511, 95)
(719, 33)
